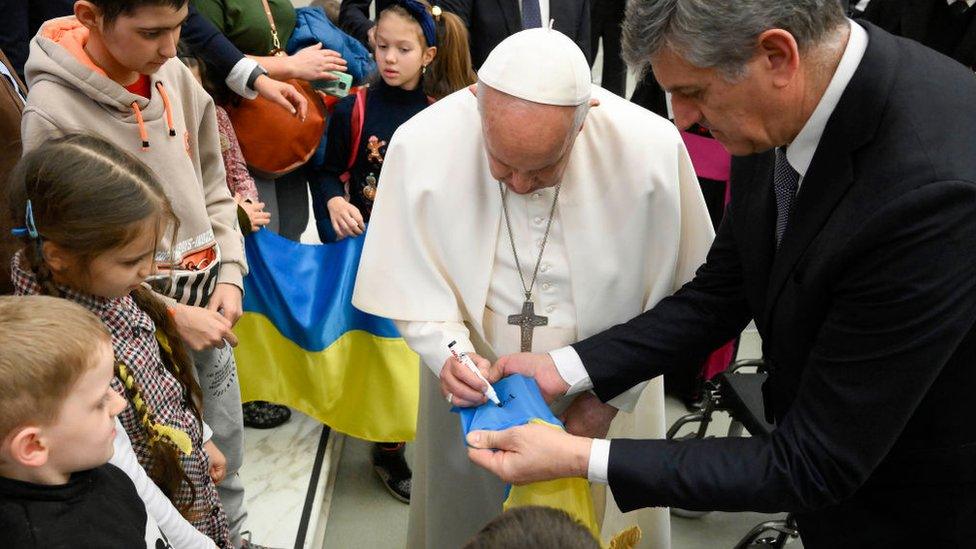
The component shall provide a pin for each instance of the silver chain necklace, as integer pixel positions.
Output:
(527, 320)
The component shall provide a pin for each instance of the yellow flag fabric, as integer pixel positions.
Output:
(568, 494)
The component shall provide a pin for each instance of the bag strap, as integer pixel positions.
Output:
(356, 123)
(275, 41)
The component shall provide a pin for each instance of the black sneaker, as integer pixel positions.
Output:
(261, 414)
(391, 466)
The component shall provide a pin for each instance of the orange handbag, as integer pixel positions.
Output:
(273, 141)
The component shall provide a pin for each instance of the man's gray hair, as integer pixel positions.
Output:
(721, 34)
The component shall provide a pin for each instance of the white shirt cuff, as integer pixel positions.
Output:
(596, 471)
(237, 78)
(207, 432)
(570, 368)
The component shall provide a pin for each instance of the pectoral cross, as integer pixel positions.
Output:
(527, 321)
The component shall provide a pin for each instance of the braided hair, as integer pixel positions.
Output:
(88, 197)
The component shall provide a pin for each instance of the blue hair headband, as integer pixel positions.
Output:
(31, 227)
(419, 12)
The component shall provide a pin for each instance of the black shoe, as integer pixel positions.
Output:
(391, 466)
(260, 414)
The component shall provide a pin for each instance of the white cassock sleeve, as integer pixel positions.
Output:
(179, 532)
(430, 340)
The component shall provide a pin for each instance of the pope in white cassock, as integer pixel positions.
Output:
(536, 212)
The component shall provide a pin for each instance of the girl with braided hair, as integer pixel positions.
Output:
(91, 217)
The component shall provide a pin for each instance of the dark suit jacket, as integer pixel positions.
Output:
(354, 17)
(491, 21)
(867, 318)
(910, 18)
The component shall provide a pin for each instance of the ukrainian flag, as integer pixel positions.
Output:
(303, 344)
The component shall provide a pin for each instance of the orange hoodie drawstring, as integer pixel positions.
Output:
(167, 108)
(143, 133)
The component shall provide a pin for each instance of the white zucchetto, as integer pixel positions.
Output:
(541, 65)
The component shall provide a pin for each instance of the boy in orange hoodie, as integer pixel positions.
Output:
(109, 70)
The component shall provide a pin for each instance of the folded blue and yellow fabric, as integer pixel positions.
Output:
(522, 403)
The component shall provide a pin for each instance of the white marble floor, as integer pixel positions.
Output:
(277, 469)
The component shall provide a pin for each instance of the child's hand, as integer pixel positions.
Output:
(314, 63)
(203, 329)
(218, 463)
(346, 219)
(255, 212)
(226, 300)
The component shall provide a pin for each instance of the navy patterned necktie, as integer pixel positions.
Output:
(531, 14)
(786, 181)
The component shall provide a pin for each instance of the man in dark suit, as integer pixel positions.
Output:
(852, 245)
(947, 26)
(354, 19)
(491, 21)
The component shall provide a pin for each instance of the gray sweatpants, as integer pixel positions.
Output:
(217, 374)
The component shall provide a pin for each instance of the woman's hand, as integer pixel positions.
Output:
(314, 63)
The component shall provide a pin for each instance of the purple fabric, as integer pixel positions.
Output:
(709, 157)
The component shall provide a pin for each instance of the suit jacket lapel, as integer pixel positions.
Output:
(753, 176)
(852, 124)
(512, 15)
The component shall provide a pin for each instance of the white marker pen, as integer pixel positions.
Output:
(463, 358)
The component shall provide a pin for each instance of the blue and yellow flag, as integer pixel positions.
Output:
(303, 344)
(522, 403)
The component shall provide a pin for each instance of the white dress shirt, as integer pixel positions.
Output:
(968, 2)
(799, 154)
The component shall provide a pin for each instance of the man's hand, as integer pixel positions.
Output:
(255, 212)
(461, 384)
(587, 416)
(201, 328)
(346, 218)
(314, 63)
(226, 300)
(530, 453)
(283, 94)
(218, 463)
(535, 365)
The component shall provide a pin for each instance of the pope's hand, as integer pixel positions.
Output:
(587, 416)
(530, 453)
(535, 365)
(461, 385)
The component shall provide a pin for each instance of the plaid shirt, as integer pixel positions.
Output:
(135, 345)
